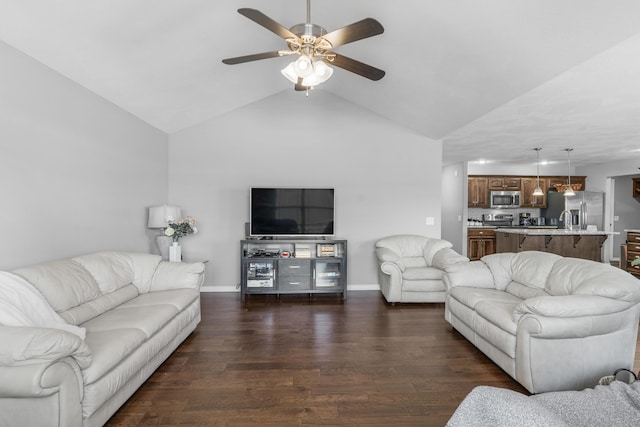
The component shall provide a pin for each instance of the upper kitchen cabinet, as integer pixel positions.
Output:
(478, 192)
(552, 181)
(636, 188)
(504, 183)
(527, 199)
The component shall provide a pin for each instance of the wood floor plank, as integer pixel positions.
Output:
(296, 361)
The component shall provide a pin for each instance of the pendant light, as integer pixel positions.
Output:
(538, 190)
(569, 191)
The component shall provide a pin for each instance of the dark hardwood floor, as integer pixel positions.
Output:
(296, 361)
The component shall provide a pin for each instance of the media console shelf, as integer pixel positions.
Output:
(293, 267)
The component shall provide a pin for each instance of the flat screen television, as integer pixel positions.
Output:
(291, 211)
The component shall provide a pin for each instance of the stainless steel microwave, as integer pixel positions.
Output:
(504, 199)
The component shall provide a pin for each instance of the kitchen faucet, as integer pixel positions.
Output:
(568, 221)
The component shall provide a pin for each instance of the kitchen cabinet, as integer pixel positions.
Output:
(480, 242)
(481, 185)
(478, 192)
(504, 183)
(636, 188)
(528, 200)
(632, 252)
(552, 181)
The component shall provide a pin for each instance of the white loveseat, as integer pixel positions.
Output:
(79, 336)
(411, 267)
(552, 323)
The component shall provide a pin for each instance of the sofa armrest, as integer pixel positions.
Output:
(386, 255)
(60, 378)
(569, 306)
(178, 275)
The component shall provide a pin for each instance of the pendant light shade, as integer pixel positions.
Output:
(569, 191)
(538, 191)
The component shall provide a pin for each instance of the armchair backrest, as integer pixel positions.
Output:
(413, 250)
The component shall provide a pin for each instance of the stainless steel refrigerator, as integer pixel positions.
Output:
(587, 208)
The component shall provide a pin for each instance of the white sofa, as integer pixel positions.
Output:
(411, 267)
(552, 323)
(79, 336)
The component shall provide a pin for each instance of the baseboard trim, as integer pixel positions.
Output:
(221, 289)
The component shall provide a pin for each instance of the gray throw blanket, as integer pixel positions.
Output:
(617, 404)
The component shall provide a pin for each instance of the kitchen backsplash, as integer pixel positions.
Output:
(475, 214)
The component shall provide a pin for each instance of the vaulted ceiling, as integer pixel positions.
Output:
(492, 78)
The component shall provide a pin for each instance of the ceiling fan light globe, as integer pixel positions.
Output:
(290, 73)
(321, 73)
(303, 66)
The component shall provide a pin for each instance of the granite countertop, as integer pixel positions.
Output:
(632, 231)
(554, 232)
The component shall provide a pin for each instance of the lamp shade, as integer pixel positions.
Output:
(158, 215)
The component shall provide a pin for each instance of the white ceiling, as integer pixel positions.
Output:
(491, 78)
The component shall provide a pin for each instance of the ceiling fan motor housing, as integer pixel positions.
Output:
(308, 30)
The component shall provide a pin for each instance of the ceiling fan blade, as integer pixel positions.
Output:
(249, 58)
(268, 23)
(368, 27)
(357, 67)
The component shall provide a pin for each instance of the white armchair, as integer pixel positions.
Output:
(411, 267)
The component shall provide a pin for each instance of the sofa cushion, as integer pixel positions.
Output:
(108, 348)
(178, 298)
(523, 291)
(572, 276)
(499, 313)
(144, 267)
(422, 273)
(500, 267)
(112, 270)
(493, 323)
(64, 284)
(174, 275)
(472, 274)
(87, 311)
(22, 305)
(472, 296)
(532, 268)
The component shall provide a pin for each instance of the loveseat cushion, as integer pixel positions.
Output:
(472, 296)
(472, 274)
(64, 284)
(523, 291)
(532, 268)
(572, 276)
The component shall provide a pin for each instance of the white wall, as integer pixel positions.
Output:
(454, 205)
(76, 172)
(387, 178)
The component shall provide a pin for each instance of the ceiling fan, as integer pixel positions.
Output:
(314, 48)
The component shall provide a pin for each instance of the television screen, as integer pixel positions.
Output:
(291, 211)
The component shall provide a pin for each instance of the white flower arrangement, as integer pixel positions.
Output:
(180, 228)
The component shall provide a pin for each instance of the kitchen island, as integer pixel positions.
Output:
(568, 243)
